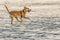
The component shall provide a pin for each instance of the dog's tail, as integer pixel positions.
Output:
(6, 8)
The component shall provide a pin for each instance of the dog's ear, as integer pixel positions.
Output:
(25, 7)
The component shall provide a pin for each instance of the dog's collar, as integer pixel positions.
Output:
(23, 11)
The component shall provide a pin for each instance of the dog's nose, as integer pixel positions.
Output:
(30, 9)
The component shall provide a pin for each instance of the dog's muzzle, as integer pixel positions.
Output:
(29, 10)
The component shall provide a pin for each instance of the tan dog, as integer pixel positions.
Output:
(16, 14)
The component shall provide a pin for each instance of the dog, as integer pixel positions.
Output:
(16, 14)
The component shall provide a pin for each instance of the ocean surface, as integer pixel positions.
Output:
(43, 22)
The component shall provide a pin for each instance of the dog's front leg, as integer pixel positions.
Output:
(18, 19)
(26, 17)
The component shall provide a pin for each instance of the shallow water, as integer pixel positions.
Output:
(44, 24)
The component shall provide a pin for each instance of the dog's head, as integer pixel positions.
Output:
(26, 9)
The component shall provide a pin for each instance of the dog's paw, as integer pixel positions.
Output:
(26, 17)
(12, 24)
(20, 21)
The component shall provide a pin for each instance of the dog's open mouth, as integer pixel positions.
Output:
(29, 10)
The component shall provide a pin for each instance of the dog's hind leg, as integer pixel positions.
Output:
(21, 17)
(11, 20)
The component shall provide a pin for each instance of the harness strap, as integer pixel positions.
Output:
(21, 13)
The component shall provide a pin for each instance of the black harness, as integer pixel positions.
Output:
(21, 13)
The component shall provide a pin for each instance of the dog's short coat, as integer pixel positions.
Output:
(16, 14)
